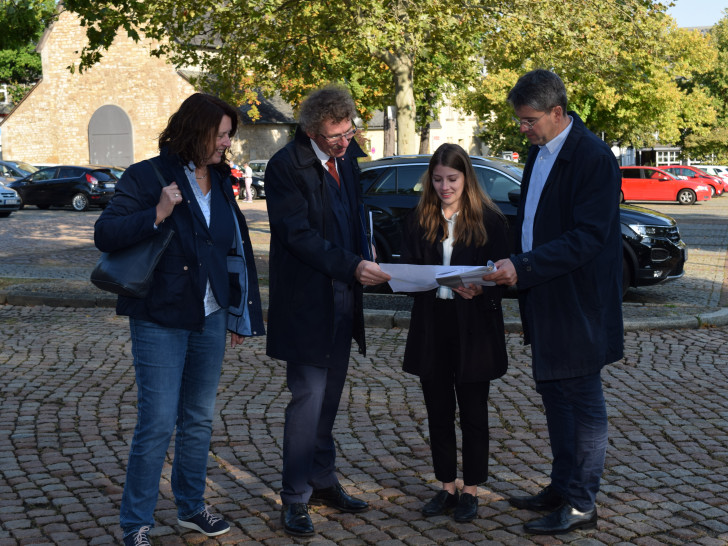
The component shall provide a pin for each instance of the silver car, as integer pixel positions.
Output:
(9, 201)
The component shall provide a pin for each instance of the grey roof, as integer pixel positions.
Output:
(273, 110)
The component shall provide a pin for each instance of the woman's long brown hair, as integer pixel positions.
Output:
(470, 227)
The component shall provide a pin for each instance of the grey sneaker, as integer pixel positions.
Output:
(206, 523)
(138, 538)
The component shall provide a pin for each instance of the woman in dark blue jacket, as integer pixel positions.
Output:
(456, 341)
(204, 285)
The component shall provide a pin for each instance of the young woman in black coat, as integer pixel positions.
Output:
(456, 342)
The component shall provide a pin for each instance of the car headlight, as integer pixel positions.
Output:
(650, 231)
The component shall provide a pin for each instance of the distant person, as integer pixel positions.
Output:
(568, 270)
(248, 177)
(456, 341)
(319, 260)
(178, 331)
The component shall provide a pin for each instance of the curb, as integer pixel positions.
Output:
(384, 318)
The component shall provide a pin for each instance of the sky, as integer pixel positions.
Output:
(697, 13)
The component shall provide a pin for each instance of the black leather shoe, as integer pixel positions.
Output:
(440, 503)
(467, 508)
(296, 521)
(562, 521)
(336, 497)
(547, 500)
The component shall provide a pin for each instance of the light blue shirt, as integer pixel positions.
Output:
(545, 160)
(203, 201)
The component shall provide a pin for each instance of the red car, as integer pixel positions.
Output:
(716, 183)
(653, 184)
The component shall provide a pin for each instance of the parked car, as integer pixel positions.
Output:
(258, 166)
(116, 171)
(63, 185)
(9, 201)
(716, 170)
(12, 170)
(716, 183)
(652, 249)
(257, 188)
(653, 184)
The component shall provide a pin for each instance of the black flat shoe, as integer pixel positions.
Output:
(440, 503)
(547, 500)
(336, 497)
(467, 508)
(296, 521)
(563, 520)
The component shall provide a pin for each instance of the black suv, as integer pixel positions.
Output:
(63, 185)
(652, 249)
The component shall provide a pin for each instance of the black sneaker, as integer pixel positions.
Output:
(206, 523)
(138, 538)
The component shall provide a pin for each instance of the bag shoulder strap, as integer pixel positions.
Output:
(161, 179)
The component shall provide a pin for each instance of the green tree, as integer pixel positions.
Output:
(713, 79)
(21, 24)
(622, 68)
(408, 52)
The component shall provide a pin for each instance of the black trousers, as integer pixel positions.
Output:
(442, 394)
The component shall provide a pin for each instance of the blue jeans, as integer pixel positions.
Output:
(177, 374)
(577, 421)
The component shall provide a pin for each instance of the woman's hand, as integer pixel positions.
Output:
(469, 292)
(169, 199)
(236, 339)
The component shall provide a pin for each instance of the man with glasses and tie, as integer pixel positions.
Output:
(568, 270)
(320, 259)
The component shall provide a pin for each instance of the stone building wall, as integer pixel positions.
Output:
(51, 124)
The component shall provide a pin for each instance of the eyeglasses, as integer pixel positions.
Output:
(529, 124)
(336, 138)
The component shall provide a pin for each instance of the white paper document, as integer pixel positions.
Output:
(418, 278)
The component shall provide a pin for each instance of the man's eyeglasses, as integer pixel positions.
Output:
(336, 138)
(529, 124)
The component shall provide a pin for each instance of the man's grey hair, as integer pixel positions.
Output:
(540, 89)
(330, 103)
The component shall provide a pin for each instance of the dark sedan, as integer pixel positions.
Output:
(652, 249)
(80, 187)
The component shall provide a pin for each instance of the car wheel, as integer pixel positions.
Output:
(79, 202)
(686, 197)
(253, 193)
(43, 207)
(626, 276)
(712, 191)
(621, 197)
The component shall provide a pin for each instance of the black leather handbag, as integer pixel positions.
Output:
(129, 271)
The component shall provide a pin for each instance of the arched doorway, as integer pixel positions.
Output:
(109, 137)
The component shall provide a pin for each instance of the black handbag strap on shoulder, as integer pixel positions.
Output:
(161, 179)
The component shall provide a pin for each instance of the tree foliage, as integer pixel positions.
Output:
(625, 71)
(21, 24)
(627, 67)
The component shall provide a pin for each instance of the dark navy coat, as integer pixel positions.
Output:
(303, 260)
(195, 253)
(570, 283)
(483, 355)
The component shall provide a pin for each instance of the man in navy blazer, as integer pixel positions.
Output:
(319, 260)
(568, 270)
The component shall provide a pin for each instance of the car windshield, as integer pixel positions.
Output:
(103, 176)
(26, 167)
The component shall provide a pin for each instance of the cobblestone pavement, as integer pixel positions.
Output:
(68, 412)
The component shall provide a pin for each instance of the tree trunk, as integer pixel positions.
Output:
(389, 132)
(404, 99)
(425, 138)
